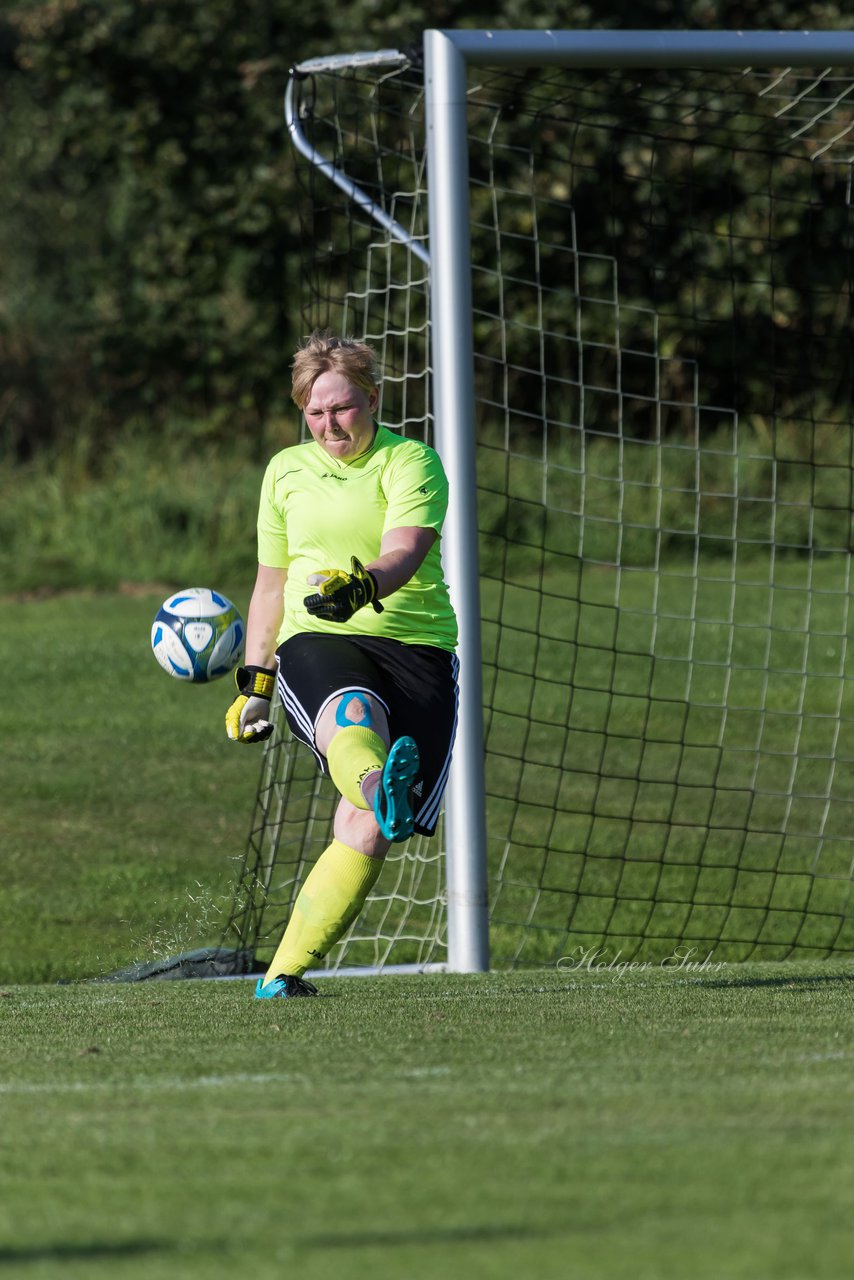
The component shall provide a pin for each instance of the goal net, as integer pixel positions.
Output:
(662, 268)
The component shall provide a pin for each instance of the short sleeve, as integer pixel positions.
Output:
(272, 528)
(416, 489)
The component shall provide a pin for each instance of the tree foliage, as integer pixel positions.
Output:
(150, 212)
(148, 239)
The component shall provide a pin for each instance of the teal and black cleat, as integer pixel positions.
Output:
(287, 984)
(391, 802)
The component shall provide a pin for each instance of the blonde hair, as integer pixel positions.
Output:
(322, 352)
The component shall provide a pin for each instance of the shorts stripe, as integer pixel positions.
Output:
(428, 814)
(298, 713)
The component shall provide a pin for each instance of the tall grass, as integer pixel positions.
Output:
(177, 508)
(617, 499)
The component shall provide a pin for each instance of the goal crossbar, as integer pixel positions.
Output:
(648, 48)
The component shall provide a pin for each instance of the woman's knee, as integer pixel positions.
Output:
(353, 708)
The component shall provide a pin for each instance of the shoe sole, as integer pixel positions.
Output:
(391, 803)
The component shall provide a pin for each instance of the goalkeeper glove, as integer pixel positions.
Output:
(341, 594)
(247, 718)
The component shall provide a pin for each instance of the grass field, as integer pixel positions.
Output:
(567, 1123)
(124, 804)
(626, 793)
(680, 745)
(570, 1121)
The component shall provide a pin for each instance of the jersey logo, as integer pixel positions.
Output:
(330, 475)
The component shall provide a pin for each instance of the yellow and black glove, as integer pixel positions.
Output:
(247, 719)
(340, 594)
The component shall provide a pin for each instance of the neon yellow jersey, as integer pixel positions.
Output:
(317, 511)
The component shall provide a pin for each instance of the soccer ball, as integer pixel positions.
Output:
(198, 635)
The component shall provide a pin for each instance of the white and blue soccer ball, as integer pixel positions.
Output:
(198, 635)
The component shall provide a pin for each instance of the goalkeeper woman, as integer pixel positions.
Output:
(350, 614)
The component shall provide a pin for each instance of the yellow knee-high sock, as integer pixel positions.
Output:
(332, 896)
(352, 754)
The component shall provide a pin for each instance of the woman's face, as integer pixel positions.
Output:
(340, 416)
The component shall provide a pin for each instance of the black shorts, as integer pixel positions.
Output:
(416, 684)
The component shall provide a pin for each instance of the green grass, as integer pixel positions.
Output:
(173, 507)
(563, 1123)
(680, 744)
(124, 804)
(572, 1121)
(673, 814)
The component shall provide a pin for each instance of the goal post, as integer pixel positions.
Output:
(620, 306)
(447, 55)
